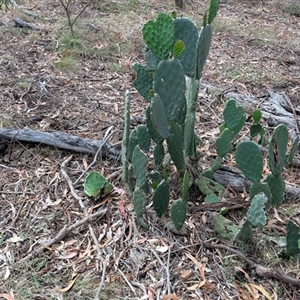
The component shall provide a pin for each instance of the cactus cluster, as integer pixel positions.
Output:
(169, 82)
(268, 191)
(174, 50)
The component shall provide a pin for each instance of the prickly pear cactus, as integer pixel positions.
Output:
(175, 146)
(169, 84)
(161, 198)
(144, 81)
(249, 159)
(186, 31)
(158, 117)
(174, 51)
(178, 213)
(139, 162)
(256, 214)
(159, 35)
(234, 116)
(223, 143)
(276, 185)
(204, 42)
(260, 187)
(277, 149)
(292, 238)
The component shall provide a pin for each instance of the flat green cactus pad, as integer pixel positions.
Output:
(256, 214)
(292, 238)
(169, 84)
(139, 162)
(249, 159)
(158, 117)
(178, 213)
(223, 143)
(234, 116)
(161, 198)
(139, 201)
(159, 35)
(186, 31)
(203, 47)
(144, 81)
(96, 184)
(175, 146)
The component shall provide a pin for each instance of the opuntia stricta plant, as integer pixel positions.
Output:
(175, 50)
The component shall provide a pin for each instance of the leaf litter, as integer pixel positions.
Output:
(40, 92)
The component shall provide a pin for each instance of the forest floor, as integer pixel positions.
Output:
(51, 81)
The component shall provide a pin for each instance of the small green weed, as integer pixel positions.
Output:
(68, 63)
(293, 8)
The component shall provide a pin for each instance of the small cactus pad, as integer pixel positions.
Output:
(203, 47)
(256, 116)
(189, 134)
(185, 186)
(212, 11)
(161, 198)
(139, 162)
(158, 117)
(178, 213)
(277, 149)
(223, 143)
(133, 141)
(276, 185)
(256, 214)
(95, 183)
(292, 238)
(234, 116)
(155, 136)
(245, 232)
(256, 129)
(139, 201)
(155, 177)
(249, 159)
(260, 187)
(186, 31)
(158, 154)
(144, 81)
(159, 35)
(152, 59)
(143, 137)
(175, 146)
(169, 84)
(178, 48)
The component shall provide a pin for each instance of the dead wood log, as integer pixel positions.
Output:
(276, 108)
(229, 176)
(64, 141)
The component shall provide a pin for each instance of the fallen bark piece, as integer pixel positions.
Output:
(229, 176)
(63, 140)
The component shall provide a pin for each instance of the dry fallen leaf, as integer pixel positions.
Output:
(7, 296)
(262, 290)
(170, 297)
(67, 287)
(186, 274)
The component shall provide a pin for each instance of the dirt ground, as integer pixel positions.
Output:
(51, 81)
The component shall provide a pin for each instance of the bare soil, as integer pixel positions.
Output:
(50, 81)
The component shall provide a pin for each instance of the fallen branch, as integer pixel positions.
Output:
(229, 176)
(24, 11)
(63, 140)
(261, 271)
